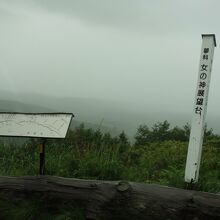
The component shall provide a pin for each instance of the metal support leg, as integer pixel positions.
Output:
(42, 158)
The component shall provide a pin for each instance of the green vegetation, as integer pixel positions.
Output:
(157, 156)
(34, 210)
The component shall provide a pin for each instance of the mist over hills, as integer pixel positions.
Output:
(107, 115)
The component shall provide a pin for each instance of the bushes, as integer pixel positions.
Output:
(161, 131)
(158, 160)
(90, 154)
(158, 156)
(33, 209)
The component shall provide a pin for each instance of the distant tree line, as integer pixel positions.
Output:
(161, 131)
(86, 137)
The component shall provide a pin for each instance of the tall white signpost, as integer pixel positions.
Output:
(199, 109)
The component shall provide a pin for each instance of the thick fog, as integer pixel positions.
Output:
(141, 52)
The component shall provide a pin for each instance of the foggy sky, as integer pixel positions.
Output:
(137, 51)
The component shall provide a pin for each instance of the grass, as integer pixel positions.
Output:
(35, 209)
(160, 162)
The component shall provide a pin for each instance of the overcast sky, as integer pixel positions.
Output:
(138, 51)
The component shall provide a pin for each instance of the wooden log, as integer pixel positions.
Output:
(115, 199)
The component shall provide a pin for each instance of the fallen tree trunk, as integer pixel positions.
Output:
(115, 199)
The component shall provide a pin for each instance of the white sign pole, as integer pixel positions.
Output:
(200, 108)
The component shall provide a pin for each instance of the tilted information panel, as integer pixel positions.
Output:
(42, 125)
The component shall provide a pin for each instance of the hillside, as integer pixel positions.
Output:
(95, 113)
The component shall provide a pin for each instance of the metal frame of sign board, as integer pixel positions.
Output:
(43, 138)
(26, 136)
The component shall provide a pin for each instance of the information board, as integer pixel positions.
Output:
(41, 125)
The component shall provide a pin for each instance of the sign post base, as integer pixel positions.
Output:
(42, 157)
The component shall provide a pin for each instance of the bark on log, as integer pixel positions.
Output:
(116, 199)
